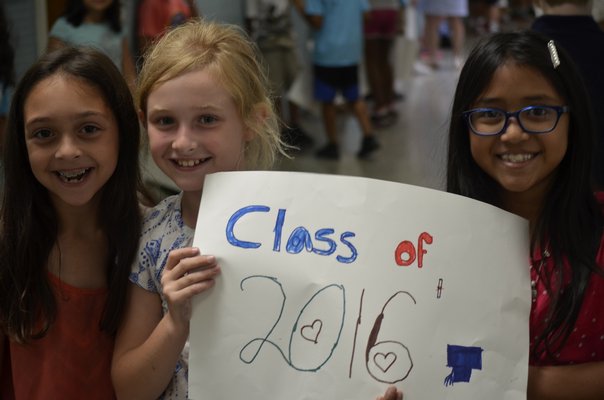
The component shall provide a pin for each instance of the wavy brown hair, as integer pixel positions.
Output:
(29, 224)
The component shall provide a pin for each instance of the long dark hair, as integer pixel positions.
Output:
(570, 221)
(29, 221)
(75, 11)
(7, 53)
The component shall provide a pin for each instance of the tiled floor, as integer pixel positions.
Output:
(412, 151)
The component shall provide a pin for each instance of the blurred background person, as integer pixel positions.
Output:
(270, 25)
(571, 25)
(435, 12)
(383, 24)
(95, 23)
(338, 47)
(153, 17)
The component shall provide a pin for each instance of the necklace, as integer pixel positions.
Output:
(544, 256)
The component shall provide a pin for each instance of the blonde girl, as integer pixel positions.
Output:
(203, 98)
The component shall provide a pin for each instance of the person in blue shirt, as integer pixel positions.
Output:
(338, 47)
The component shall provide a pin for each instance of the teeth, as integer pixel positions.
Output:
(517, 158)
(188, 163)
(73, 176)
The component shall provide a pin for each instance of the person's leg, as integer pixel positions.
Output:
(329, 122)
(293, 132)
(431, 37)
(369, 144)
(331, 149)
(458, 34)
(359, 110)
(350, 91)
(372, 64)
(325, 92)
(383, 72)
(382, 27)
(384, 98)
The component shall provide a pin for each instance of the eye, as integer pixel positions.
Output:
(488, 114)
(42, 134)
(539, 112)
(207, 119)
(164, 121)
(90, 129)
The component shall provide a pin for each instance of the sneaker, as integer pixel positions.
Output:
(421, 68)
(369, 145)
(458, 62)
(384, 119)
(329, 152)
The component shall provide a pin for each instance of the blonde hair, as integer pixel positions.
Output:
(234, 60)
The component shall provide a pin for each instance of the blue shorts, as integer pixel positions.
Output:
(331, 80)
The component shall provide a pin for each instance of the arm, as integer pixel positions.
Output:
(148, 344)
(392, 393)
(315, 21)
(577, 382)
(128, 68)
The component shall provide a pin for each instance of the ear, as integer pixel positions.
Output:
(142, 118)
(259, 115)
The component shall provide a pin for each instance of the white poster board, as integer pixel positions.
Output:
(335, 287)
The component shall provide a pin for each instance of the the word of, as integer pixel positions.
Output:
(407, 248)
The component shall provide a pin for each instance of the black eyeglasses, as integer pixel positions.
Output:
(532, 119)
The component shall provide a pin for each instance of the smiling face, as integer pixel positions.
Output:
(521, 163)
(71, 138)
(194, 129)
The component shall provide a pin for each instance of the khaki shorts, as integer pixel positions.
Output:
(282, 68)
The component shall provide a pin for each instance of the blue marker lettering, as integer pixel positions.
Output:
(278, 230)
(233, 220)
(320, 236)
(353, 250)
(298, 240)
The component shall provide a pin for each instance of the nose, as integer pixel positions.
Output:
(68, 148)
(184, 141)
(514, 133)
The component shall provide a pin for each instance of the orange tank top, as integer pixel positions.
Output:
(73, 359)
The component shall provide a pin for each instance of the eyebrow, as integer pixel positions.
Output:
(82, 115)
(537, 98)
(197, 108)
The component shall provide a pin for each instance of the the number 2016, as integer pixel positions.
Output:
(386, 361)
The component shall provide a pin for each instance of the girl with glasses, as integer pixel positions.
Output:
(521, 138)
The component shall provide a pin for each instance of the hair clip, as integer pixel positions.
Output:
(553, 52)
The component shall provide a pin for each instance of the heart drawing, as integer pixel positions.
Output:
(311, 332)
(384, 361)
